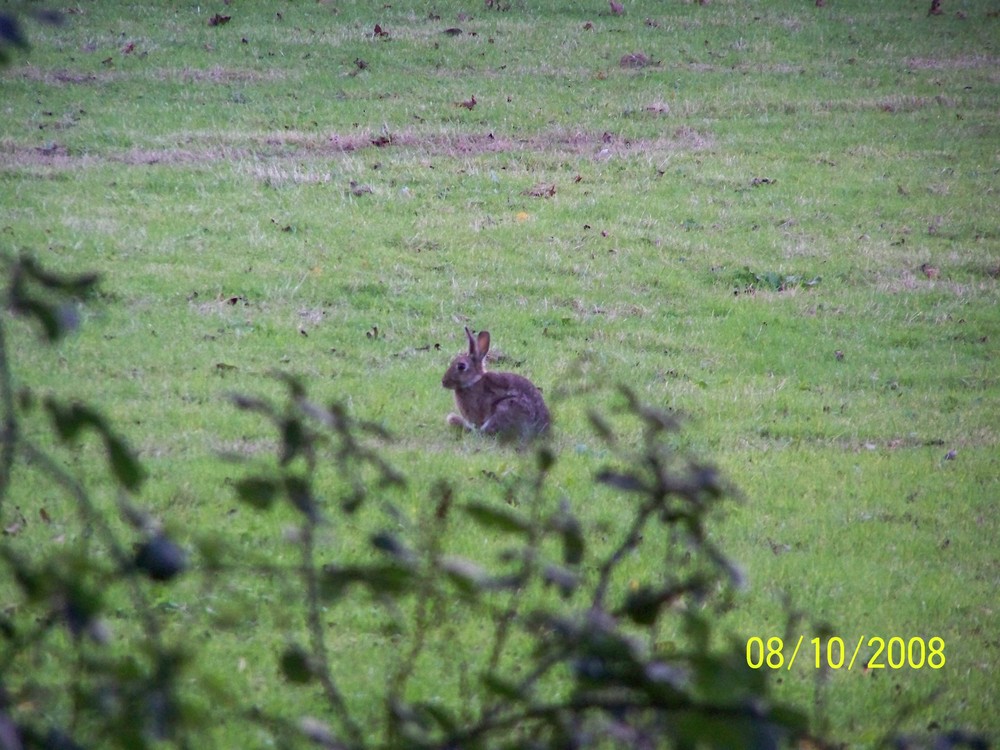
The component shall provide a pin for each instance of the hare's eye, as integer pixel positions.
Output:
(462, 366)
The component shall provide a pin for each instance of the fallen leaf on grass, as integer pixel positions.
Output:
(635, 60)
(219, 20)
(468, 103)
(541, 190)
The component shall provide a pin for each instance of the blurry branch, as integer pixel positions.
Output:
(567, 652)
(70, 584)
(11, 33)
(8, 427)
(304, 429)
(613, 684)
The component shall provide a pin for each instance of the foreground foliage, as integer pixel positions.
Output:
(806, 264)
(592, 672)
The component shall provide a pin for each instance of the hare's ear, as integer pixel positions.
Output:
(472, 342)
(483, 343)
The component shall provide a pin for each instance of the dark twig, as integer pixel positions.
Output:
(8, 430)
(317, 636)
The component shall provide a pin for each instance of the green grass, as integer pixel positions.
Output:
(206, 177)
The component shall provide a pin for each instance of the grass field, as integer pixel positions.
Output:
(781, 221)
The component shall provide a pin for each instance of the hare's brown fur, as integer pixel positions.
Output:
(501, 403)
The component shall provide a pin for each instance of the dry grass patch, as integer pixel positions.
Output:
(965, 62)
(276, 146)
(218, 74)
(59, 77)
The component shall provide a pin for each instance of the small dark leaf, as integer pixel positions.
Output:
(465, 574)
(69, 420)
(248, 403)
(296, 390)
(392, 579)
(642, 606)
(72, 285)
(56, 739)
(698, 630)
(573, 541)
(258, 492)
(626, 482)
(293, 440)
(546, 459)
(602, 428)
(707, 480)
(47, 315)
(318, 733)
(388, 543)
(437, 714)
(498, 518)
(160, 558)
(50, 17)
(790, 718)
(658, 419)
(296, 665)
(10, 31)
(502, 688)
(32, 582)
(300, 495)
(510, 582)
(333, 582)
(354, 500)
(563, 579)
(124, 465)
(77, 620)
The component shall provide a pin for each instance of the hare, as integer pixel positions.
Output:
(495, 403)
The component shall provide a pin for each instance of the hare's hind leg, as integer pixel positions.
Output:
(511, 418)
